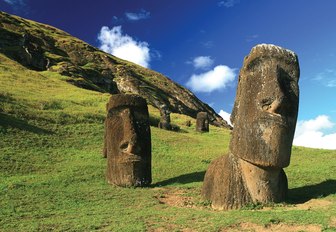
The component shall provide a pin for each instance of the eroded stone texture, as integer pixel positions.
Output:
(202, 122)
(128, 141)
(264, 119)
(165, 118)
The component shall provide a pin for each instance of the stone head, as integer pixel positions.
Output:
(165, 113)
(202, 122)
(128, 140)
(266, 106)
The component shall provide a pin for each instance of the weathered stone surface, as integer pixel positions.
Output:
(202, 122)
(165, 117)
(266, 106)
(264, 119)
(128, 141)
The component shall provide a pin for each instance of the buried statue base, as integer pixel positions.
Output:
(231, 183)
(264, 118)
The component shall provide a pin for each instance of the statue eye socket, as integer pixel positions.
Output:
(124, 146)
(266, 103)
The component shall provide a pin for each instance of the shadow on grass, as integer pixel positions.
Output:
(183, 179)
(306, 193)
(10, 121)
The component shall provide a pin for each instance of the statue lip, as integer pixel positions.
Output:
(275, 118)
(131, 157)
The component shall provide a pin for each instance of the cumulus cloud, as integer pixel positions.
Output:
(136, 16)
(228, 3)
(113, 41)
(215, 79)
(310, 133)
(202, 62)
(225, 116)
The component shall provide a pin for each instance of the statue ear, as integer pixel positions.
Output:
(233, 114)
(236, 104)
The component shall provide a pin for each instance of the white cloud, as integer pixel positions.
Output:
(202, 62)
(113, 41)
(215, 79)
(310, 133)
(143, 14)
(228, 3)
(225, 116)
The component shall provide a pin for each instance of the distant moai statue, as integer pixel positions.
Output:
(264, 119)
(165, 117)
(128, 141)
(202, 122)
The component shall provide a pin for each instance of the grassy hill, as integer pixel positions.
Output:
(52, 171)
(44, 48)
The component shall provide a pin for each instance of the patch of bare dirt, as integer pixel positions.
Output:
(309, 205)
(313, 204)
(332, 222)
(252, 227)
(176, 197)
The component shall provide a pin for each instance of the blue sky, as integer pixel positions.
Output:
(201, 44)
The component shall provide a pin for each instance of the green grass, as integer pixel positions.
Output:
(52, 174)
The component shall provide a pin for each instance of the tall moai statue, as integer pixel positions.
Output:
(264, 118)
(127, 142)
(164, 117)
(202, 122)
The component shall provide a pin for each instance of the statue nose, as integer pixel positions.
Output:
(130, 146)
(130, 143)
(133, 147)
(275, 106)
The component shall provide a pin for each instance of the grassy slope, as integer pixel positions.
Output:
(52, 172)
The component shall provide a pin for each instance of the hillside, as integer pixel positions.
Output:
(40, 47)
(52, 172)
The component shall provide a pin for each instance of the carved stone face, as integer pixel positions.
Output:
(202, 122)
(128, 141)
(266, 107)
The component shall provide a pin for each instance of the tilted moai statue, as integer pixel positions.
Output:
(128, 141)
(165, 117)
(202, 122)
(264, 119)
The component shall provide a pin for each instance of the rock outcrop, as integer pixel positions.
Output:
(41, 47)
(264, 119)
(128, 141)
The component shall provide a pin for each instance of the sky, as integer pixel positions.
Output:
(201, 45)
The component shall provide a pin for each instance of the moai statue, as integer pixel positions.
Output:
(264, 119)
(202, 122)
(128, 141)
(165, 118)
